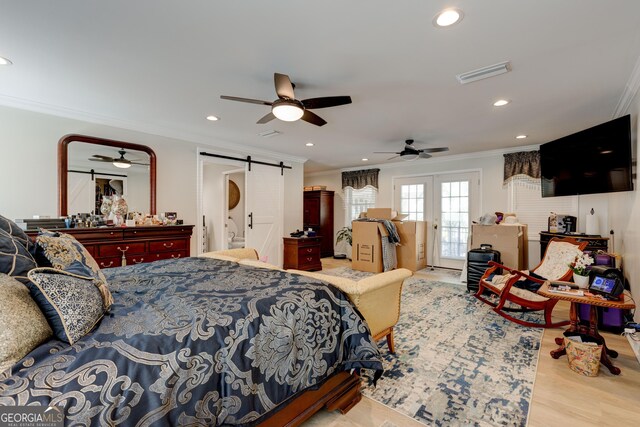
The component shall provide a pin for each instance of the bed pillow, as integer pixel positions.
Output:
(23, 327)
(15, 258)
(72, 304)
(68, 255)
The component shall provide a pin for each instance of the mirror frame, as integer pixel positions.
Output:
(63, 166)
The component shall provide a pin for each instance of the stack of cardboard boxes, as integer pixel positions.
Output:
(367, 244)
(510, 240)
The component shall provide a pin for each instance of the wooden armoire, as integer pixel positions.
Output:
(318, 215)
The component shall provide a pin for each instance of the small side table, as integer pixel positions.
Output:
(302, 253)
(625, 303)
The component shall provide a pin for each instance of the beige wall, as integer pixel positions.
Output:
(28, 167)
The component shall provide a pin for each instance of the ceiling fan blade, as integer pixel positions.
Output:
(102, 160)
(326, 101)
(424, 155)
(284, 88)
(385, 152)
(267, 118)
(313, 118)
(106, 158)
(434, 150)
(141, 164)
(390, 158)
(250, 101)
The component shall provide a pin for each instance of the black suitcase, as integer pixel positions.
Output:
(477, 264)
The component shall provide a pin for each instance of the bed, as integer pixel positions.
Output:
(201, 341)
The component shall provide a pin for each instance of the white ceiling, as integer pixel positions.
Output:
(161, 66)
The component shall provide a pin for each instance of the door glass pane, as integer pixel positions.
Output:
(455, 218)
(412, 201)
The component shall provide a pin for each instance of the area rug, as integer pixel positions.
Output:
(457, 362)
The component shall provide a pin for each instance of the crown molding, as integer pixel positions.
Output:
(629, 93)
(148, 128)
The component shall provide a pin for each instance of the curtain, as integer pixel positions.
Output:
(522, 168)
(360, 179)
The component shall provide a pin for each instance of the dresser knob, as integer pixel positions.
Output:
(309, 250)
(106, 266)
(173, 256)
(168, 245)
(309, 258)
(138, 262)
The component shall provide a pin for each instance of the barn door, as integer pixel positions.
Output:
(264, 187)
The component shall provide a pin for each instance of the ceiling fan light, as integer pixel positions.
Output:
(409, 157)
(287, 112)
(122, 163)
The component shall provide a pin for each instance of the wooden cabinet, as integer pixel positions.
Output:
(594, 242)
(318, 215)
(114, 247)
(302, 253)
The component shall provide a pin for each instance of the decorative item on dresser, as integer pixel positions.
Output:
(119, 246)
(302, 253)
(318, 215)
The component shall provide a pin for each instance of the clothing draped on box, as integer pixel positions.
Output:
(388, 243)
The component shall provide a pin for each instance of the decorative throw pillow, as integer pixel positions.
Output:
(22, 325)
(72, 304)
(66, 254)
(15, 258)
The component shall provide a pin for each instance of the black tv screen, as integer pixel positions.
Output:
(595, 160)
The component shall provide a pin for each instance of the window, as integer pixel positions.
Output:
(357, 201)
(454, 199)
(526, 201)
(412, 201)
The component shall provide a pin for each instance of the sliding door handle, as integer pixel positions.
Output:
(251, 220)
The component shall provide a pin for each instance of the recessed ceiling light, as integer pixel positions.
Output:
(5, 61)
(365, 160)
(501, 103)
(447, 18)
(309, 144)
(521, 136)
(213, 118)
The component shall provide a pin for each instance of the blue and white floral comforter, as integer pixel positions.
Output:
(196, 341)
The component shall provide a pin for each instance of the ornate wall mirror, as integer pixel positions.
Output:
(90, 167)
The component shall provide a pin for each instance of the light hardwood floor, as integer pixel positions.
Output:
(560, 396)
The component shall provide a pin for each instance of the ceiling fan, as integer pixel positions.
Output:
(119, 162)
(288, 108)
(409, 152)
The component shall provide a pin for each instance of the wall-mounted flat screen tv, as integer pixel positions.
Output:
(595, 160)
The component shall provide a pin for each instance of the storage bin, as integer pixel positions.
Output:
(583, 357)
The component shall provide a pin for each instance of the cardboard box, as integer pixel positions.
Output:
(412, 252)
(510, 240)
(366, 252)
(383, 213)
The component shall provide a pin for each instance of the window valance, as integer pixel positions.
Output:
(522, 167)
(360, 179)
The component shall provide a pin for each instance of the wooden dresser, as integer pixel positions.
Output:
(117, 246)
(594, 242)
(302, 253)
(318, 215)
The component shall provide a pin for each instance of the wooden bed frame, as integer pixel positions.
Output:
(340, 391)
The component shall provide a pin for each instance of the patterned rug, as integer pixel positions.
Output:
(457, 362)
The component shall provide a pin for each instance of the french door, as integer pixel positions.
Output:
(448, 202)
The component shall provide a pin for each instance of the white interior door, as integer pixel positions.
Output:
(81, 191)
(264, 187)
(456, 203)
(414, 197)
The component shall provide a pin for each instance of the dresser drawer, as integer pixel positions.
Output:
(167, 246)
(109, 262)
(139, 259)
(308, 261)
(307, 251)
(115, 249)
(168, 255)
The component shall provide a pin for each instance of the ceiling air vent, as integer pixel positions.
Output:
(269, 133)
(484, 72)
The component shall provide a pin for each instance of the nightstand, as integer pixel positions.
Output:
(302, 253)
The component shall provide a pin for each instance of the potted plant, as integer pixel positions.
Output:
(344, 235)
(579, 266)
